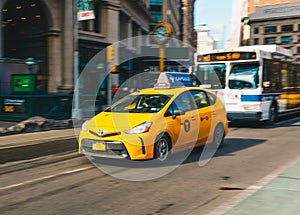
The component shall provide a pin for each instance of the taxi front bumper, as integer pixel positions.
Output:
(122, 146)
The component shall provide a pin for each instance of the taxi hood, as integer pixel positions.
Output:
(118, 121)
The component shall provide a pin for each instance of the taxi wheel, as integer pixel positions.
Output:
(162, 148)
(218, 138)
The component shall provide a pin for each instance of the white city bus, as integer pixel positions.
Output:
(256, 83)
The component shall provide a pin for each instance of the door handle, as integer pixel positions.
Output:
(204, 118)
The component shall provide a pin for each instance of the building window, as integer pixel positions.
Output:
(270, 29)
(286, 39)
(123, 27)
(84, 25)
(256, 41)
(270, 40)
(157, 16)
(97, 20)
(287, 28)
(298, 27)
(298, 49)
(256, 30)
(155, 2)
(298, 38)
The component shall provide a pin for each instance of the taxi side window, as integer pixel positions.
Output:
(183, 102)
(171, 109)
(201, 99)
(212, 98)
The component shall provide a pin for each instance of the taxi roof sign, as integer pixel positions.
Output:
(173, 79)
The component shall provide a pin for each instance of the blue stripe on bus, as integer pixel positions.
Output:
(258, 98)
(251, 98)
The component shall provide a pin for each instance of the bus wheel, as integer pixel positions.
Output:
(272, 114)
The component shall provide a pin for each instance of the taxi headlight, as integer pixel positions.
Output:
(252, 107)
(144, 127)
(84, 125)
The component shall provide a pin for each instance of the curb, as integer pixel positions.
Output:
(30, 151)
(37, 137)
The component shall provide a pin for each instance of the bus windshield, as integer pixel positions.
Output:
(212, 75)
(244, 76)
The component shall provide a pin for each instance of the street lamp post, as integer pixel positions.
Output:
(76, 108)
(162, 48)
(1, 32)
(30, 62)
(161, 34)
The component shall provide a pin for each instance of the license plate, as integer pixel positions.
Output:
(99, 146)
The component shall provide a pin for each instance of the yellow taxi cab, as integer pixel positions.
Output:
(153, 123)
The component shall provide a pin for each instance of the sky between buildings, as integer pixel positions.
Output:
(213, 13)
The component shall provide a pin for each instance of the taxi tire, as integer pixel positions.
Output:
(219, 135)
(162, 148)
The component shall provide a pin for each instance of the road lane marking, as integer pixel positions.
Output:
(223, 208)
(294, 121)
(45, 178)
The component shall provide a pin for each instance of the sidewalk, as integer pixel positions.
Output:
(276, 194)
(279, 197)
(6, 124)
(24, 146)
(35, 138)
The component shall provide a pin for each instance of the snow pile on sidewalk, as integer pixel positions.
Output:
(36, 123)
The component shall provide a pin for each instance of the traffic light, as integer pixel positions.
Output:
(110, 55)
(113, 68)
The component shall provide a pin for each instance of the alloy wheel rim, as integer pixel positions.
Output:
(162, 150)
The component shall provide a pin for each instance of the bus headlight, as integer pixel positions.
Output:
(252, 107)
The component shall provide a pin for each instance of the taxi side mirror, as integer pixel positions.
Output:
(177, 113)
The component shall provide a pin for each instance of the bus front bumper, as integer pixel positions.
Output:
(251, 116)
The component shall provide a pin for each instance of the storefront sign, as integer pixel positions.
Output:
(13, 105)
(85, 10)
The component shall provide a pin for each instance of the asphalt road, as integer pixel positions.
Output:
(70, 184)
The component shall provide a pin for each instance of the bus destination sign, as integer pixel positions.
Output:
(226, 56)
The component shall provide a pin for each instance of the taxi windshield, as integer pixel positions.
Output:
(140, 104)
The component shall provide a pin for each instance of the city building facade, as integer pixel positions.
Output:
(205, 42)
(253, 4)
(276, 24)
(178, 14)
(46, 30)
(188, 21)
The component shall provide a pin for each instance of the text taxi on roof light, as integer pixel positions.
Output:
(152, 122)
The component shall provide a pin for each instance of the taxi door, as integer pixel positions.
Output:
(204, 109)
(182, 122)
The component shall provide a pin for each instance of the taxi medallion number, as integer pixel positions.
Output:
(99, 146)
